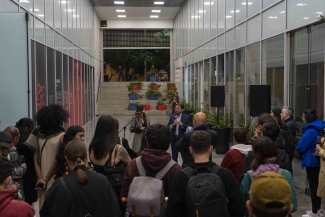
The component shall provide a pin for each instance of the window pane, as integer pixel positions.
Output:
(57, 15)
(206, 84)
(49, 36)
(240, 11)
(27, 4)
(39, 31)
(51, 75)
(221, 43)
(240, 35)
(230, 39)
(206, 14)
(49, 12)
(268, 3)
(214, 17)
(253, 7)
(239, 81)
(40, 67)
(221, 16)
(254, 29)
(64, 18)
(8, 6)
(39, 9)
(274, 20)
(59, 81)
(230, 13)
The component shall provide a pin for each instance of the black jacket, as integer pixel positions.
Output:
(184, 143)
(96, 197)
(177, 204)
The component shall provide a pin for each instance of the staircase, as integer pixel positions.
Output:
(113, 99)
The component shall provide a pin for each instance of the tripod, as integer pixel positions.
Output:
(124, 128)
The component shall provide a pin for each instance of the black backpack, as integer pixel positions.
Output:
(205, 193)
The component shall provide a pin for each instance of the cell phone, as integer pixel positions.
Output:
(40, 185)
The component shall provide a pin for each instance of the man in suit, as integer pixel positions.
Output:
(178, 123)
(199, 123)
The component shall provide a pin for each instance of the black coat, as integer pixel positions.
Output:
(177, 204)
(96, 197)
(184, 143)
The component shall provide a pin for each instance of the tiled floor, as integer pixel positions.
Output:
(304, 203)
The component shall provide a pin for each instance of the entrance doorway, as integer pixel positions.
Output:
(307, 70)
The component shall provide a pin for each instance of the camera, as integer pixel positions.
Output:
(320, 16)
(40, 185)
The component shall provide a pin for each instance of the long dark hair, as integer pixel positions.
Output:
(104, 139)
(263, 147)
(60, 159)
(116, 125)
(139, 111)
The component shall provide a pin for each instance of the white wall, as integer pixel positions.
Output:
(139, 24)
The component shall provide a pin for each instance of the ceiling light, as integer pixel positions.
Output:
(121, 15)
(301, 4)
(40, 15)
(154, 16)
(282, 12)
(155, 11)
(63, 2)
(234, 11)
(196, 16)
(75, 15)
(319, 12)
(69, 10)
(273, 17)
(200, 11)
(23, 1)
(249, 3)
(34, 9)
(228, 17)
(119, 2)
(208, 3)
(158, 3)
(305, 18)
(120, 10)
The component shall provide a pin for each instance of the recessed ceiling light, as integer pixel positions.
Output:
(75, 15)
(208, 3)
(319, 12)
(282, 12)
(34, 9)
(301, 4)
(40, 15)
(271, 17)
(121, 15)
(249, 3)
(69, 10)
(154, 16)
(23, 1)
(156, 11)
(305, 18)
(158, 3)
(63, 2)
(196, 16)
(234, 11)
(200, 11)
(119, 2)
(120, 10)
(228, 17)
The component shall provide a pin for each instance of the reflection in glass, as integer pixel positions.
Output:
(49, 12)
(273, 68)
(39, 31)
(40, 69)
(59, 79)
(66, 85)
(274, 20)
(51, 75)
(221, 16)
(39, 9)
(229, 78)
(239, 80)
(207, 83)
(230, 13)
(221, 70)
(253, 7)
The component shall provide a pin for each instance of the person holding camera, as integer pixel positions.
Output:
(139, 126)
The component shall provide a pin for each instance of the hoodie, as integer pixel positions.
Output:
(13, 208)
(153, 161)
(234, 159)
(307, 144)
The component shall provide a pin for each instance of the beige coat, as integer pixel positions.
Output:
(321, 182)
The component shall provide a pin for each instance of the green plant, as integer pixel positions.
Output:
(152, 93)
(132, 103)
(211, 117)
(161, 102)
(133, 83)
(221, 121)
(152, 71)
(153, 84)
(136, 93)
(170, 84)
(170, 95)
(187, 106)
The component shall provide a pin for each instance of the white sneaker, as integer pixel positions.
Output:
(319, 214)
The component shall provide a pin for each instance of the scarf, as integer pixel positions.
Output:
(269, 164)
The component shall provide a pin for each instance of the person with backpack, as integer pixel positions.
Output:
(219, 194)
(234, 159)
(306, 147)
(275, 198)
(266, 159)
(155, 166)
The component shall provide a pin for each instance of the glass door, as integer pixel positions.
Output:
(307, 70)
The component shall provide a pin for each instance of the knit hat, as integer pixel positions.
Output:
(5, 139)
(271, 192)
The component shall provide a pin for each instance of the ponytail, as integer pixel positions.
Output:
(81, 175)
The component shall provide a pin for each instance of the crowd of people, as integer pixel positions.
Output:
(53, 166)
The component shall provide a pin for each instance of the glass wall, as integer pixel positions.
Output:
(58, 27)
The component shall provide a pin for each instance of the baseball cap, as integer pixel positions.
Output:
(271, 192)
(5, 139)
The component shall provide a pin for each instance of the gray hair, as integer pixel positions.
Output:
(288, 110)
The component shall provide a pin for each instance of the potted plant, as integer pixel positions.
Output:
(222, 126)
(133, 106)
(147, 106)
(161, 105)
(134, 85)
(134, 95)
(153, 94)
(154, 86)
(171, 86)
(153, 74)
(170, 95)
